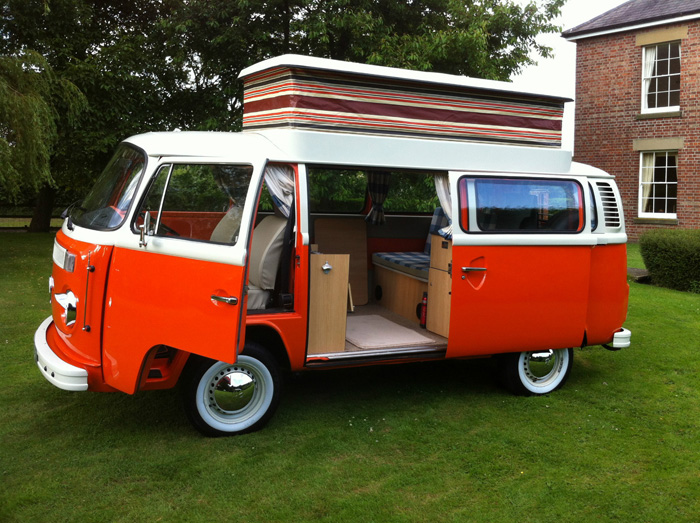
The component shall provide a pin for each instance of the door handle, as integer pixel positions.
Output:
(228, 300)
(473, 269)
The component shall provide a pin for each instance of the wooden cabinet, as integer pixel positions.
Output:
(439, 286)
(328, 299)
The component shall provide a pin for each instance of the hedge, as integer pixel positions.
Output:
(672, 257)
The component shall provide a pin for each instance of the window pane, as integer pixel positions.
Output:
(662, 52)
(197, 198)
(510, 205)
(675, 66)
(337, 190)
(411, 192)
(674, 98)
(107, 203)
(651, 100)
(662, 68)
(675, 50)
(656, 195)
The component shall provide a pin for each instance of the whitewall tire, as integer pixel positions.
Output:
(538, 372)
(224, 399)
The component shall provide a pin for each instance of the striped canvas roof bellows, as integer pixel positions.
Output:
(322, 100)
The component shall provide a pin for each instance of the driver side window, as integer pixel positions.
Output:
(197, 201)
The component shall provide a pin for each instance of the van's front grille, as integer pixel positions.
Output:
(611, 209)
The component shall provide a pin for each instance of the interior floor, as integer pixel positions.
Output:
(435, 341)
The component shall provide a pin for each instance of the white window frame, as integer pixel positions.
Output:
(647, 74)
(648, 185)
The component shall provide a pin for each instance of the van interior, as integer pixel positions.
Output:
(370, 264)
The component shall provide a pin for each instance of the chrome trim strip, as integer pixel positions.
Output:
(379, 352)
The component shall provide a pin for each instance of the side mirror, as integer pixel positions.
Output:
(145, 228)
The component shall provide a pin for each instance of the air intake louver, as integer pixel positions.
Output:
(611, 209)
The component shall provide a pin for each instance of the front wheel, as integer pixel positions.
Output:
(223, 399)
(539, 372)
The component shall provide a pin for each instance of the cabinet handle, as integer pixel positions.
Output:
(326, 268)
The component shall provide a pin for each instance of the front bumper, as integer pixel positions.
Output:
(61, 374)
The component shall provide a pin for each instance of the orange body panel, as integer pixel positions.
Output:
(79, 343)
(608, 294)
(155, 299)
(528, 298)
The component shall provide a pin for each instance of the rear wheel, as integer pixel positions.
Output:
(539, 372)
(224, 399)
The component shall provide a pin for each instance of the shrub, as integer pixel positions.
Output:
(672, 257)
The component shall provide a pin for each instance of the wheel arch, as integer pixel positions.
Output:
(270, 339)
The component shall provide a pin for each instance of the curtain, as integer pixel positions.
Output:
(649, 63)
(378, 186)
(280, 185)
(647, 181)
(442, 187)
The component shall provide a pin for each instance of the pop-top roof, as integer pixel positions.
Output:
(301, 92)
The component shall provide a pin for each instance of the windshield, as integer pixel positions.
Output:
(106, 205)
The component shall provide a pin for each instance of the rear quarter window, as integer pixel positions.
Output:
(516, 205)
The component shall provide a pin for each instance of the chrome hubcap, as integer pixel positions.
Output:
(540, 365)
(231, 390)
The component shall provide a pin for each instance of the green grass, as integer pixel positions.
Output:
(429, 442)
(634, 256)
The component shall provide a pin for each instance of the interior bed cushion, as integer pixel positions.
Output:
(414, 264)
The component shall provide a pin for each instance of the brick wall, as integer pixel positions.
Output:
(608, 102)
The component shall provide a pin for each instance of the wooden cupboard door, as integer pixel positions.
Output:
(438, 314)
(328, 298)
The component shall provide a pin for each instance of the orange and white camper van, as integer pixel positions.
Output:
(364, 215)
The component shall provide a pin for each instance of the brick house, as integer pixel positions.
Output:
(638, 108)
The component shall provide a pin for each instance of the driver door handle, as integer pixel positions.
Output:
(473, 269)
(229, 300)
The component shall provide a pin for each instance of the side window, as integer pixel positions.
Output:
(198, 201)
(411, 193)
(508, 205)
(347, 190)
(658, 184)
(661, 77)
(337, 190)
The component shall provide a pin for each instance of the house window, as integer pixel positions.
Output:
(661, 78)
(658, 184)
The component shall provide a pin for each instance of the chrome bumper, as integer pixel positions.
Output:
(61, 374)
(621, 339)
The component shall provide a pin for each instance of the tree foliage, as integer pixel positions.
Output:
(32, 101)
(145, 65)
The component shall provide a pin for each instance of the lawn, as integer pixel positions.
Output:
(429, 442)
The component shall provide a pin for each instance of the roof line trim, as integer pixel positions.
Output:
(622, 29)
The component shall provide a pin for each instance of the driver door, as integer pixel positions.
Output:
(182, 283)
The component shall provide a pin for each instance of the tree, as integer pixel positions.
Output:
(31, 96)
(114, 54)
(146, 65)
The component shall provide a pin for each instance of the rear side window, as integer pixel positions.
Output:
(516, 205)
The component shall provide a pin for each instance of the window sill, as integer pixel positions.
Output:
(656, 221)
(666, 114)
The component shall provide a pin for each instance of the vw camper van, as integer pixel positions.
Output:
(364, 215)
